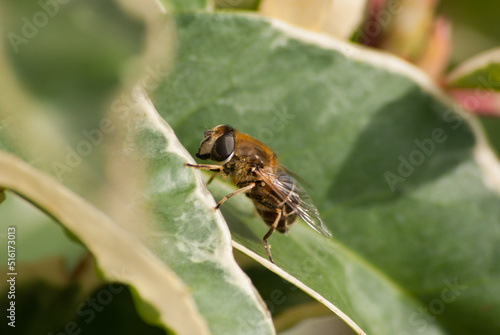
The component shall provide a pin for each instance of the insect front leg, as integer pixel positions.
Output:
(270, 232)
(241, 190)
(208, 167)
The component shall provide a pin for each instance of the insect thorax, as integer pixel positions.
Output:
(241, 171)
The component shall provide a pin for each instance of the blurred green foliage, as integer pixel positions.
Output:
(75, 61)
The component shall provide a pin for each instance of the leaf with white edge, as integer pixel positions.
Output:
(390, 162)
(111, 246)
(319, 326)
(165, 207)
(480, 72)
(475, 83)
(183, 229)
(40, 237)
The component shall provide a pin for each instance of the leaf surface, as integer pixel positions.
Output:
(390, 163)
(479, 72)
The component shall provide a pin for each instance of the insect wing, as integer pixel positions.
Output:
(296, 197)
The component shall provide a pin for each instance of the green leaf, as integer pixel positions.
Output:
(475, 83)
(188, 5)
(240, 4)
(46, 137)
(137, 266)
(163, 205)
(92, 41)
(479, 72)
(390, 162)
(183, 229)
(56, 301)
(474, 26)
(40, 238)
(491, 127)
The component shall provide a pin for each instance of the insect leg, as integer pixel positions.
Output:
(270, 232)
(209, 167)
(241, 190)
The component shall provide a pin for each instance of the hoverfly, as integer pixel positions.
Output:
(254, 168)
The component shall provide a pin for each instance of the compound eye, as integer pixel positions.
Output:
(223, 148)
